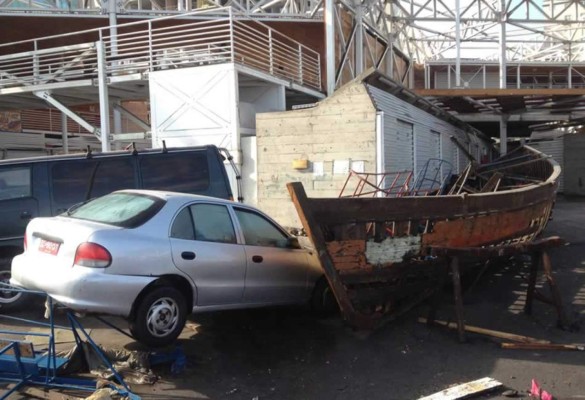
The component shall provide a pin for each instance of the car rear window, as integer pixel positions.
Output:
(128, 210)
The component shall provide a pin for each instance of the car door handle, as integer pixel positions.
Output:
(188, 255)
(25, 215)
(257, 259)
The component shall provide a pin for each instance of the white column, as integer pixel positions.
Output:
(112, 11)
(457, 45)
(64, 133)
(104, 98)
(503, 83)
(503, 44)
(359, 39)
(330, 45)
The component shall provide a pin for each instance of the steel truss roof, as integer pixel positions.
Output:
(530, 30)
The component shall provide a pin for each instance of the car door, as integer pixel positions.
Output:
(204, 246)
(276, 273)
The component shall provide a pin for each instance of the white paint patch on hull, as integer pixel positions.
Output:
(392, 250)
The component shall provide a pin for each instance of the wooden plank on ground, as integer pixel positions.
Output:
(465, 390)
(489, 332)
(544, 346)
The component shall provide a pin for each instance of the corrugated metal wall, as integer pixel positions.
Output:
(555, 149)
(429, 135)
(574, 164)
(398, 144)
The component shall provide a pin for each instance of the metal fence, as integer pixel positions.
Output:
(209, 37)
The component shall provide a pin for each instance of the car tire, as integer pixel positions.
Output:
(11, 300)
(160, 317)
(323, 302)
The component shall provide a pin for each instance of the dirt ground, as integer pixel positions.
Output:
(287, 353)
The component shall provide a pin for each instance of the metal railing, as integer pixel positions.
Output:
(158, 44)
(305, 10)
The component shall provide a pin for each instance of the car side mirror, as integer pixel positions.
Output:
(293, 243)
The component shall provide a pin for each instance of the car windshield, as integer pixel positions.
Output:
(127, 210)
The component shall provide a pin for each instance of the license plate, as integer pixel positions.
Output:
(49, 247)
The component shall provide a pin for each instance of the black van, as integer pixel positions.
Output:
(47, 186)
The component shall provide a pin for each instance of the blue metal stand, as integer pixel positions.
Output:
(42, 369)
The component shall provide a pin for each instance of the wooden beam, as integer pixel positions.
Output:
(305, 211)
(498, 92)
(326, 210)
(488, 332)
(544, 346)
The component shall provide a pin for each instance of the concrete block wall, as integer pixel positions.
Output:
(340, 131)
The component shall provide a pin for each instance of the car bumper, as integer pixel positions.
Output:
(82, 289)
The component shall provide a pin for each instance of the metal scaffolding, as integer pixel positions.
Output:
(507, 30)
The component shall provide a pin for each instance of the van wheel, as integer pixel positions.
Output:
(323, 302)
(160, 317)
(10, 299)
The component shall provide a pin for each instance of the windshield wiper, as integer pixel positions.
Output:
(74, 207)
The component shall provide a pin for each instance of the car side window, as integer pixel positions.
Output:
(212, 223)
(258, 231)
(183, 225)
(15, 183)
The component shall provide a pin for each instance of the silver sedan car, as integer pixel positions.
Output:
(153, 256)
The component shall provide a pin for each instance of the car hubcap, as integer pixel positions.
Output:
(7, 295)
(163, 317)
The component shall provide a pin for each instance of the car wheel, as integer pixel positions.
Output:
(323, 302)
(10, 299)
(160, 317)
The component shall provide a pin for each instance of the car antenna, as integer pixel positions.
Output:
(164, 148)
(134, 151)
(88, 154)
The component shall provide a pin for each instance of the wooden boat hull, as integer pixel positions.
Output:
(380, 254)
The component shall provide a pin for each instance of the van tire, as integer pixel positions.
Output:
(160, 317)
(11, 300)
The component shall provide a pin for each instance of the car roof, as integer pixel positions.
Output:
(182, 197)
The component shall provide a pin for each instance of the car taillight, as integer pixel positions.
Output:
(92, 255)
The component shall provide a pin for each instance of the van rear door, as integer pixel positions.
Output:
(17, 204)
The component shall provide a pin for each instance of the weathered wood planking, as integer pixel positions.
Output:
(347, 254)
(465, 390)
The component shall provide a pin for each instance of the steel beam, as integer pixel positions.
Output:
(45, 95)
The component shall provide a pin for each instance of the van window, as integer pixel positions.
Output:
(15, 183)
(175, 172)
(72, 179)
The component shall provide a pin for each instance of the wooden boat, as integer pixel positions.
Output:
(379, 254)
